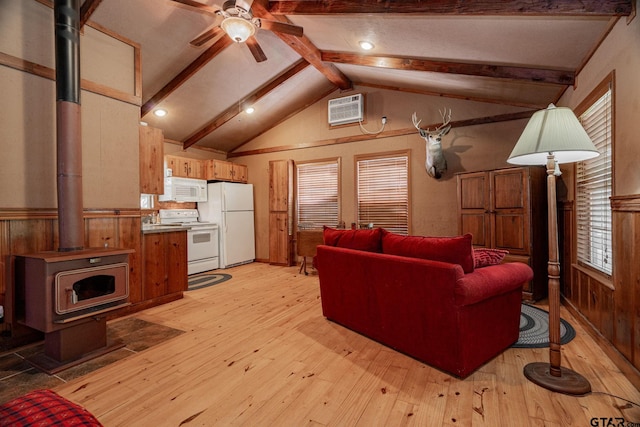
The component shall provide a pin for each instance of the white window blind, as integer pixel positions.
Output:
(593, 184)
(383, 192)
(318, 194)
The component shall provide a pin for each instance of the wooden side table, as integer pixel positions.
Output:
(307, 241)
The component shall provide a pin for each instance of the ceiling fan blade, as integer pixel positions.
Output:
(197, 6)
(244, 4)
(207, 35)
(281, 27)
(255, 49)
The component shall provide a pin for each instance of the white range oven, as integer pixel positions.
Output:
(202, 238)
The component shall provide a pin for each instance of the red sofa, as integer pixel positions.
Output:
(441, 310)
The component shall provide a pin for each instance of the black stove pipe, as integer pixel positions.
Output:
(68, 125)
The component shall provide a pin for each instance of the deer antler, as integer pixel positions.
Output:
(445, 118)
(416, 122)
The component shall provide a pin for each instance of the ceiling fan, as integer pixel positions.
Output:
(237, 21)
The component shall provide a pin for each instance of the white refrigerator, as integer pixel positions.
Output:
(230, 205)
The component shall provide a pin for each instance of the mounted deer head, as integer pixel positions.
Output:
(436, 164)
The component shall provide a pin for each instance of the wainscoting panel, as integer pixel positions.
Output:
(24, 231)
(626, 235)
(611, 305)
(594, 299)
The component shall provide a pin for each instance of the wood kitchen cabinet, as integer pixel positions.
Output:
(164, 264)
(151, 141)
(507, 209)
(219, 170)
(279, 239)
(281, 212)
(185, 167)
(240, 173)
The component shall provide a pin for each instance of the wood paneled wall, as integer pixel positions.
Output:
(626, 301)
(25, 231)
(610, 305)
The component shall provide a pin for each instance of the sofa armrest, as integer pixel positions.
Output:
(489, 281)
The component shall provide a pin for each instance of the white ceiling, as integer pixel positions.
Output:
(164, 28)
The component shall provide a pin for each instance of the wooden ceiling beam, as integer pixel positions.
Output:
(233, 111)
(198, 6)
(304, 47)
(561, 77)
(185, 74)
(442, 94)
(456, 7)
(87, 9)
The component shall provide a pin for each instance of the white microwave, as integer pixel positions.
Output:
(177, 189)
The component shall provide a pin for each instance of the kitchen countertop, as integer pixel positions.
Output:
(163, 228)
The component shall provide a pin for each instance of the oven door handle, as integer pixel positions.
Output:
(73, 295)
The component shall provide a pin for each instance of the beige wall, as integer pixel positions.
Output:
(433, 204)
(27, 123)
(619, 53)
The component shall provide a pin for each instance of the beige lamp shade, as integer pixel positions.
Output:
(554, 130)
(239, 29)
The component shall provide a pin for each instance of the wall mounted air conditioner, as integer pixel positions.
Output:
(348, 109)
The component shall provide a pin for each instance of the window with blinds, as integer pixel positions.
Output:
(318, 195)
(383, 192)
(593, 189)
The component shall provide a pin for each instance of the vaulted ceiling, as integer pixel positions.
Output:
(517, 53)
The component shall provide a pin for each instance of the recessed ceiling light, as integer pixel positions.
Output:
(160, 112)
(249, 110)
(366, 45)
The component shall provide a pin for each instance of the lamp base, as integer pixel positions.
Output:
(569, 382)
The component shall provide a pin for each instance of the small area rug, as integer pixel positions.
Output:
(534, 328)
(199, 281)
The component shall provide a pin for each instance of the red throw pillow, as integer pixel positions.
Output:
(483, 257)
(364, 240)
(45, 408)
(454, 250)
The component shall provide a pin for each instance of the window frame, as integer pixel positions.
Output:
(608, 84)
(383, 155)
(333, 160)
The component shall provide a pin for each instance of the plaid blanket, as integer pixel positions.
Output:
(42, 408)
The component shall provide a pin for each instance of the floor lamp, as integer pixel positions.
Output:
(554, 136)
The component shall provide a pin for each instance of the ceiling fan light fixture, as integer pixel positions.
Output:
(239, 29)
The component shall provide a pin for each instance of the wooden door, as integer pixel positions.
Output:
(474, 207)
(151, 142)
(165, 264)
(509, 205)
(280, 212)
(154, 266)
(279, 185)
(279, 239)
(176, 261)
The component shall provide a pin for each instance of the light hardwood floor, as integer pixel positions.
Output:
(258, 352)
